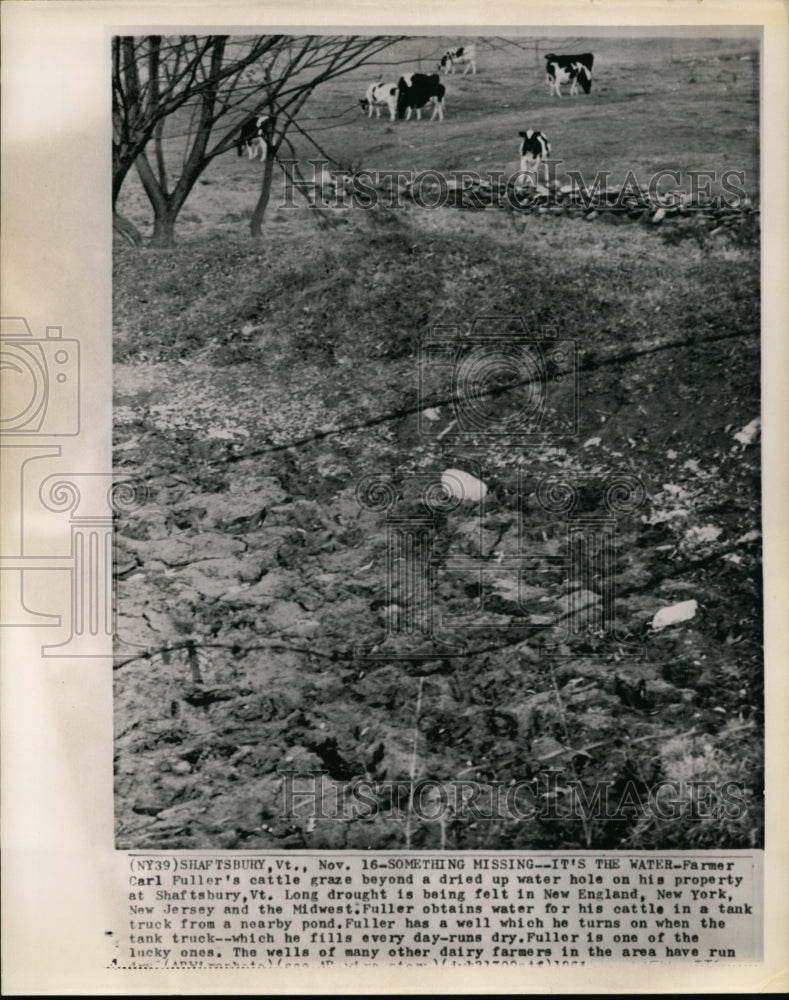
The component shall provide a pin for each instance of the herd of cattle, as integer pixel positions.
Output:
(415, 91)
(421, 91)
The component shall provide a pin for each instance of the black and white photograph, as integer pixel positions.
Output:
(392, 435)
(437, 359)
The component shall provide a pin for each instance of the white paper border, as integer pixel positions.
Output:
(59, 893)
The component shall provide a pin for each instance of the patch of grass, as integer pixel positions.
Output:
(374, 296)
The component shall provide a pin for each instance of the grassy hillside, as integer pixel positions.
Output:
(645, 113)
(257, 384)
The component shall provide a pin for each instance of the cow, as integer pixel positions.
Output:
(465, 54)
(415, 90)
(575, 70)
(378, 95)
(252, 137)
(534, 150)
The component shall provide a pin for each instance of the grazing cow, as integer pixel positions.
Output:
(535, 150)
(253, 137)
(380, 95)
(575, 70)
(415, 90)
(465, 54)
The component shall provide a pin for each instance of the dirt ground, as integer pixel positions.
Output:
(257, 385)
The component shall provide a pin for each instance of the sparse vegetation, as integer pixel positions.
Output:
(256, 384)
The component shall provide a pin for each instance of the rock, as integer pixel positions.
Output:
(265, 543)
(332, 586)
(289, 617)
(527, 653)
(205, 579)
(472, 538)
(310, 600)
(215, 545)
(749, 433)
(149, 801)
(577, 601)
(351, 563)
(151, 521)
(699, 534)
(251, 569)
(175, 550)
(234, 507)
(182, 812)
(160, 622)
(632, 577)
(463, 486)
(682, 612)
(227, 839)
(278, 583)
(547, 748)
(134, 632)
(303, 513)
(510, 588)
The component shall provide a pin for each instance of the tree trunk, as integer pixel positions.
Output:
(153, 77)
(164, 228)
(165, 206)
(256, 222)
(126, 229)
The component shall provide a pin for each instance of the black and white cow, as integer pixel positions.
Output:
(466, 54)
(380, 95)
(253, 136)
(534, 150)
(575, 70)
(415, 91)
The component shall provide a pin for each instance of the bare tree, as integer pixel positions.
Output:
(192, 94)
(154, 77)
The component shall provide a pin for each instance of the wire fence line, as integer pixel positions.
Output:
(595, 364)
